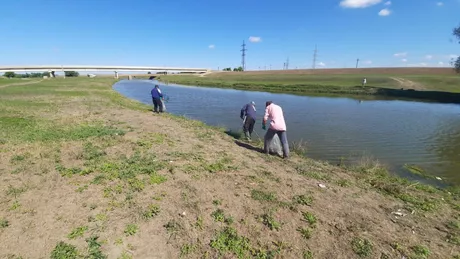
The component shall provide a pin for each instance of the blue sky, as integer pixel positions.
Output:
(209, 33)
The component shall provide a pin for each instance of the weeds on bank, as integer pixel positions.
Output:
(151, 211)
(77, 232)
(219, 216)
(307, 255)
(260, 195)
(131, 229)
(362, 247)
(303, 200)
(299, 147)
(310, 218)
(305, 232)
(4, 223)
(63, 250)
(270, 222)
(421, 251)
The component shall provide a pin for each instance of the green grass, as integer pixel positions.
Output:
(4, 223)
(303, 199)
(131, 229)
(151, 211)
(219, 216)
(305, 232)
(310, 218)
(77, 232)
(362, 247)
(260, 195)
(64, 251)
(421, 251)
(270, 222)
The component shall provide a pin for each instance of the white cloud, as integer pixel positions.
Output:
(255, 39)
(321, 64)
(211, 46)
(367, 62)
(358, 3)
(423, 64)
(385, 12)
(453, 56)
(439, 3)
(388, 3)
(401, 54)
(429, 57)
(403, 60)
(440, 63)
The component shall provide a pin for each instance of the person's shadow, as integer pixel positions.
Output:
(248, 146)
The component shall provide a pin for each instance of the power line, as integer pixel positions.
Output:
(243, 55)
(315, 53)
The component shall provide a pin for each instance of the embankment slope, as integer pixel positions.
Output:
(84, 170)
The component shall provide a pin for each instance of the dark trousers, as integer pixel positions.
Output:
(157, 105)
(248, 126)
(283, 137)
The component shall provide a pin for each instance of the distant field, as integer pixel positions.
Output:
(334, 81)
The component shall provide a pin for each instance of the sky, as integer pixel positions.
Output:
(209, 34)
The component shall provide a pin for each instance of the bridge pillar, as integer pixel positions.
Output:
(51, 74)
(116, 74)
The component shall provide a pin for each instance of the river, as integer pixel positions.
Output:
(395, 132)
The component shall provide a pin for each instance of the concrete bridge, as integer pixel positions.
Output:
(52, 69)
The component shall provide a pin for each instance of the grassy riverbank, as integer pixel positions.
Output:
(86, 171)
(440, 85)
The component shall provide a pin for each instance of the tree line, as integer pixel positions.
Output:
(35, 75)
(234, 69)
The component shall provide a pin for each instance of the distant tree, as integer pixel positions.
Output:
(36, 74)
(9, 74)
(148, 73)
(71, 73)
(456, 63)
(45, 74)
(227, 69)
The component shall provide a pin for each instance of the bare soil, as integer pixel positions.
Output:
(205, 170)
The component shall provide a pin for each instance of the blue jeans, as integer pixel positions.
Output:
(283, 137)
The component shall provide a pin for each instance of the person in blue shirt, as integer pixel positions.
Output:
(248, 115)
(157, 99)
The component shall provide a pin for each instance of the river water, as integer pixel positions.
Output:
(395, 132)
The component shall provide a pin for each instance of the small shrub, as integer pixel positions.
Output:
(152, 211)
(219, 216)
(362, 246)
(131, 229)
(64, 251)
(157, 179)
(187, 249)
(4, 223)
(94, 248)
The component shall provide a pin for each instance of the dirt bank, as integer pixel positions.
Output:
(83, 170)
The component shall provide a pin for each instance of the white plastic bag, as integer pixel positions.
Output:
(274, 146)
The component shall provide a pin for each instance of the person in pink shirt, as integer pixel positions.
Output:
(274, 113)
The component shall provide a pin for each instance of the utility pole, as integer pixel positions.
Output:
(243, 55)
(315, 53)
(284, 65)
(357, 61)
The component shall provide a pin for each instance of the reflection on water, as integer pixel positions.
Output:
(395, 132)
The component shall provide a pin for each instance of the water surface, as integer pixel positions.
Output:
(396, 132)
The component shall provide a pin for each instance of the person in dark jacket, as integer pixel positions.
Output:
(157, 98)
(248, 115)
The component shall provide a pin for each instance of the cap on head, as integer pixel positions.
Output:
(156, 86)
(253, 103)
(268, 103)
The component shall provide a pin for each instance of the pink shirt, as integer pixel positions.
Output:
(274, 113)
